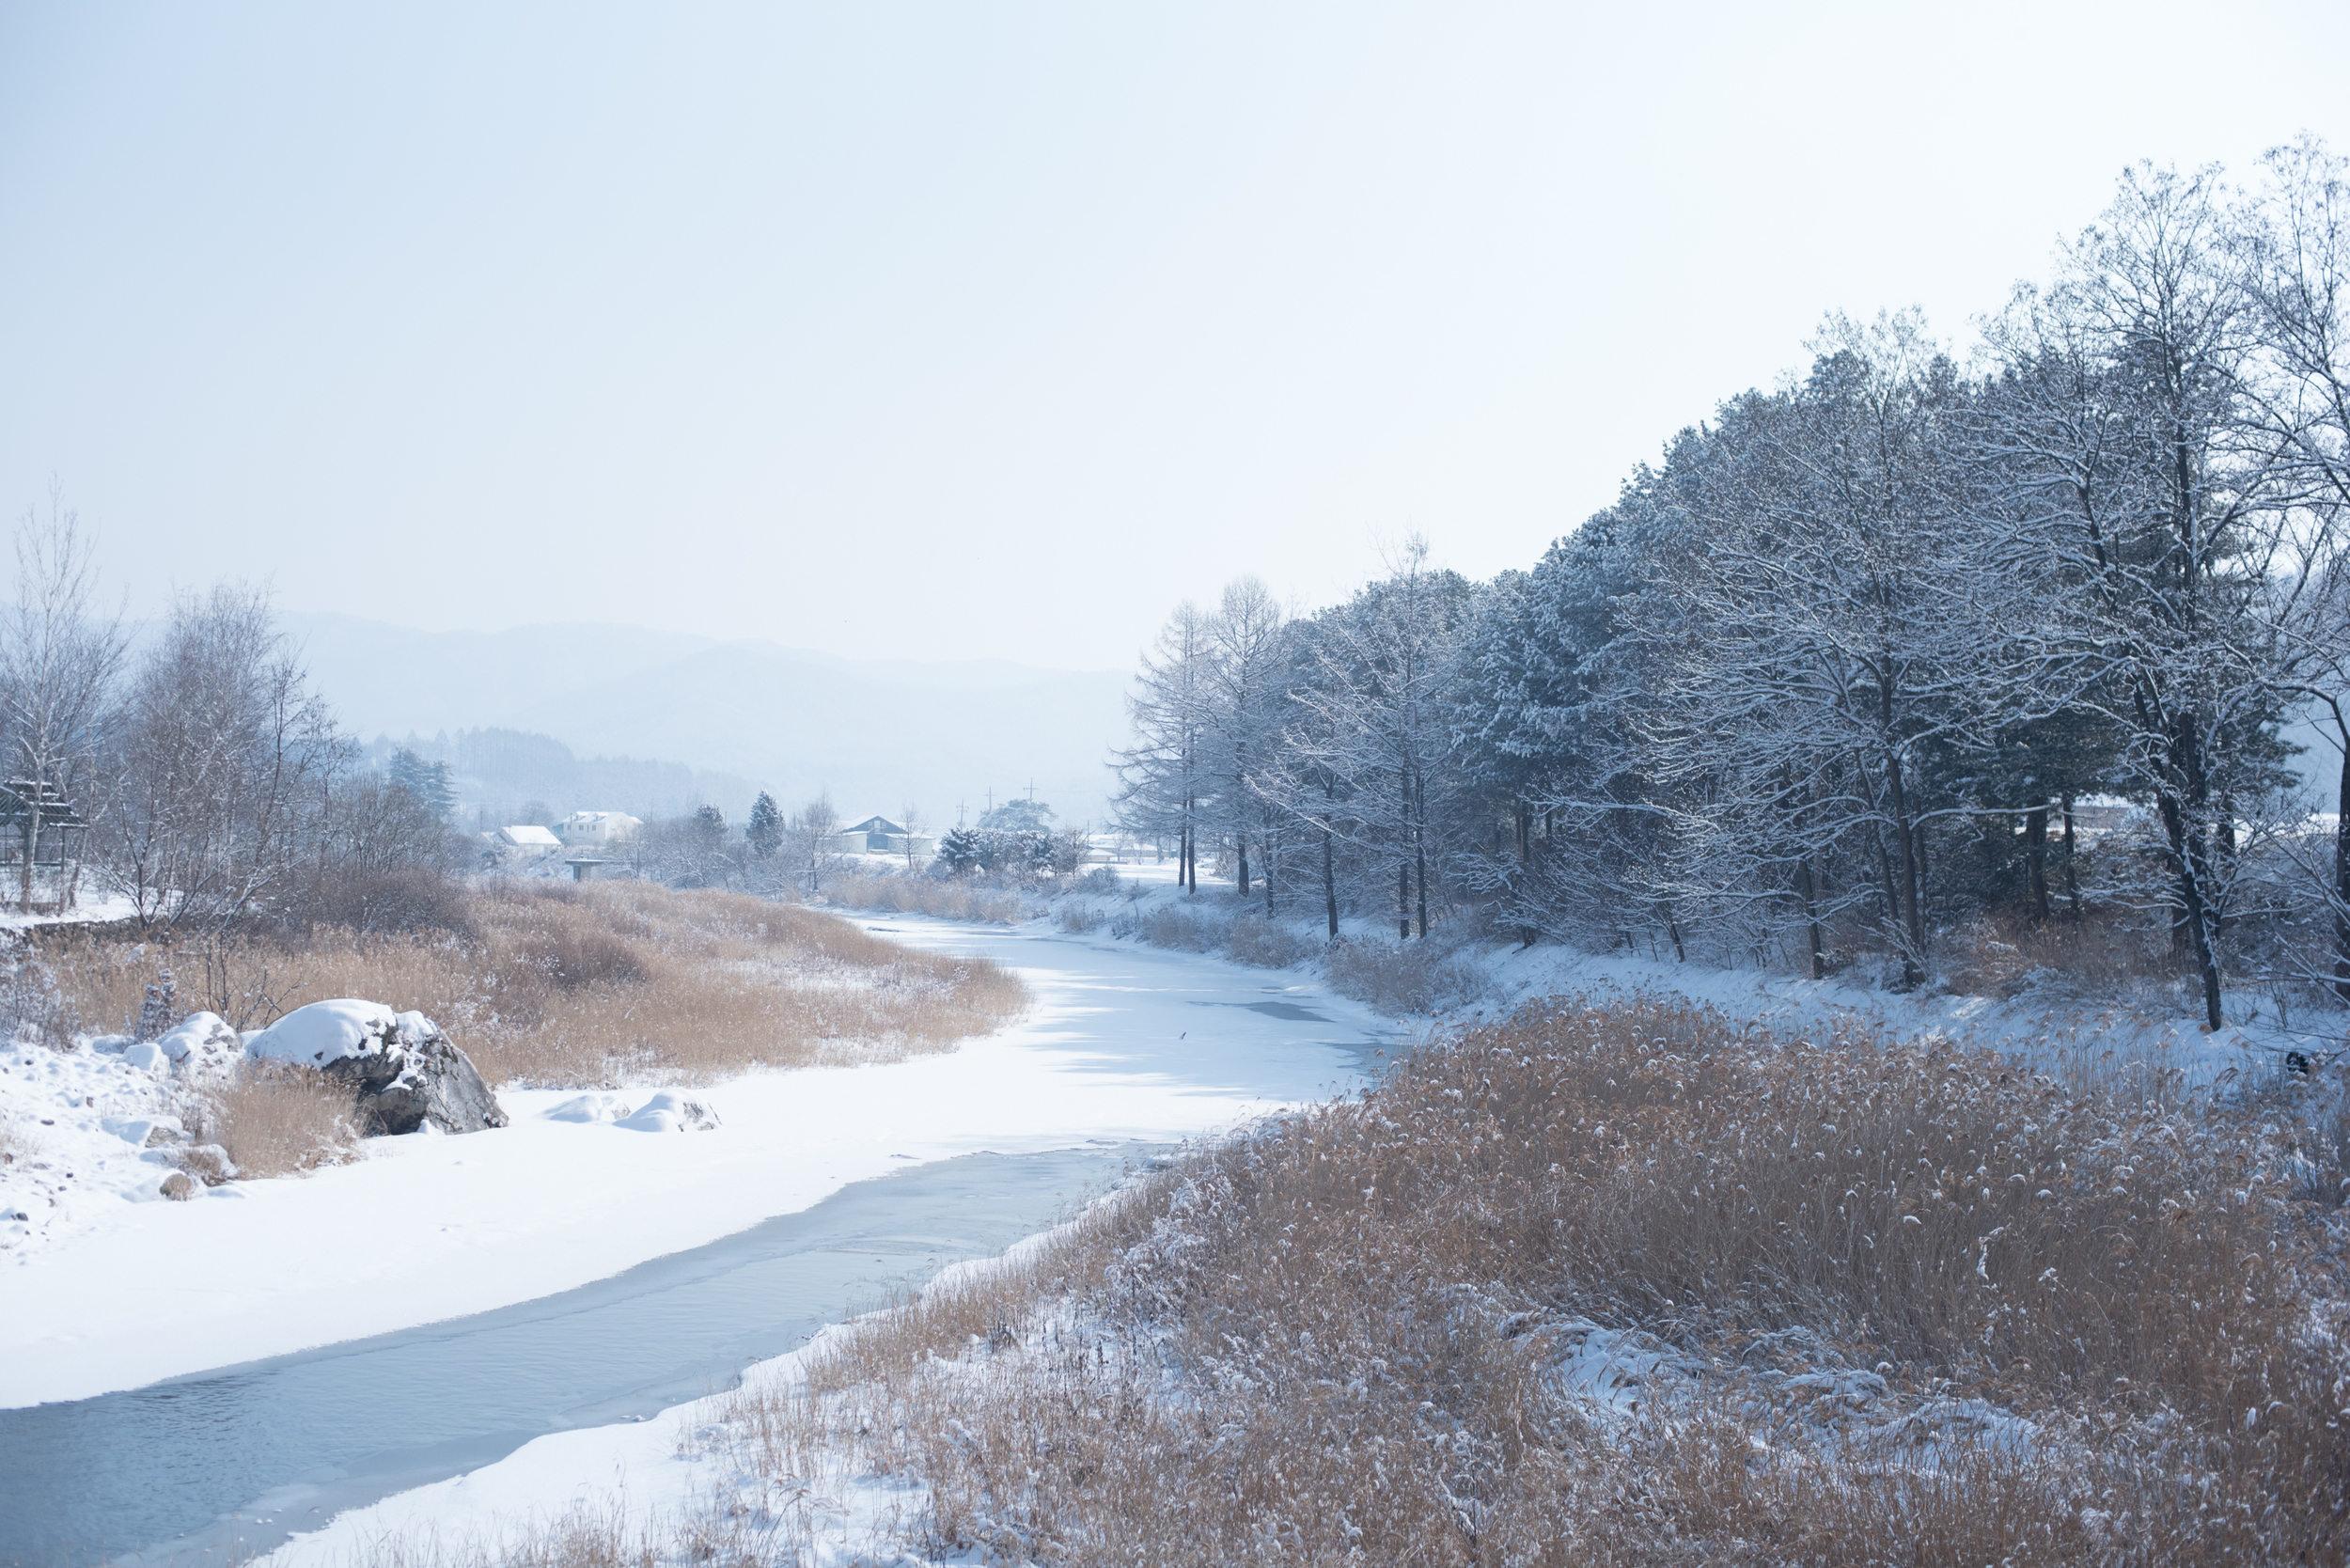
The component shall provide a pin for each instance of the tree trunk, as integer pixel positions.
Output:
(1526, 868)
(2072, 875)
(1404, 900)
(2187, 858)
(1242, 839)
(32, 842)
(1330, 883)
(1911, 914)
(2036, 861)
(1810, 919)
(2342, 870)
(1420, 859)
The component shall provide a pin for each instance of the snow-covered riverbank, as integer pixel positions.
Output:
(1123, 1043)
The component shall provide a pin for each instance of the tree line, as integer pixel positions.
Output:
(1904, 642)
(197, 777)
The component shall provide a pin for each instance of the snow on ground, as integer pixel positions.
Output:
(90, 909)
(2058, 1034)
(1124, 1043)
(79, 1123)
(2051, 1028)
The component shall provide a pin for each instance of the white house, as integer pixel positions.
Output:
(597, 830)
(878, 836)
(526, 840)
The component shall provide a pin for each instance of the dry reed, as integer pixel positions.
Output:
(276, 1119)
(919, 895)
(1924, 1308)
(566, 985)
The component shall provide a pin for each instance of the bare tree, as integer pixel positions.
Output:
(1244, 692)
(59, 658)
(807, 841)
(2153, 511)
(909, 818)
(227, 761)
(1373, 724)
(1162, 777)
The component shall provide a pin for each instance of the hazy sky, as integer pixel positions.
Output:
(959, 330)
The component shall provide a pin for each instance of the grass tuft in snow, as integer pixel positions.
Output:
(274, 1119)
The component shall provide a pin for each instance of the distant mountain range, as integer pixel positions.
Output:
(878, 734)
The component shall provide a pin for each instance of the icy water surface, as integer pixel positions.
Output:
(281, 1445)
(209, 1468)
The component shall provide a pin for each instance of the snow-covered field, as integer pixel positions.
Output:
(1123, 1043)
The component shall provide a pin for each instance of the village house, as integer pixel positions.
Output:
(597, 830)
(879, 836)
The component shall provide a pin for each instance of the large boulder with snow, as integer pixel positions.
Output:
(403, 1070)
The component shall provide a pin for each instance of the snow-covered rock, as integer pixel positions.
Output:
(404, 1070)
(670, 1112)
(139, 1131)
(589, 1107)
(202, 1046)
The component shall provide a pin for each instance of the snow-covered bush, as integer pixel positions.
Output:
(1267, 943)
(1400, 978)
(33, 1010)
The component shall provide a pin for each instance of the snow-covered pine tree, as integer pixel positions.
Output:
(764, 832)
(962, 851)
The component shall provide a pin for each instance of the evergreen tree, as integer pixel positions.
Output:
(1018, 816)
(765, 832)
(962, 851)
(432, 784)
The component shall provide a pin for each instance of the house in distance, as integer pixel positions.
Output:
(597, 830)
(879, 836)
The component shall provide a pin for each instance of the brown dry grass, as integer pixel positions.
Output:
(2105, 953)
(919, 895)
(566, 986)
(276, 1120)
(1335, 1341)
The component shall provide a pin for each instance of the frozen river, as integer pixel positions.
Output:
(213, 1465)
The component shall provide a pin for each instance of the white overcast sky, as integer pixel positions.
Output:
(953, 330)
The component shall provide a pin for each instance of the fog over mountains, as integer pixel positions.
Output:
(877, 734)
